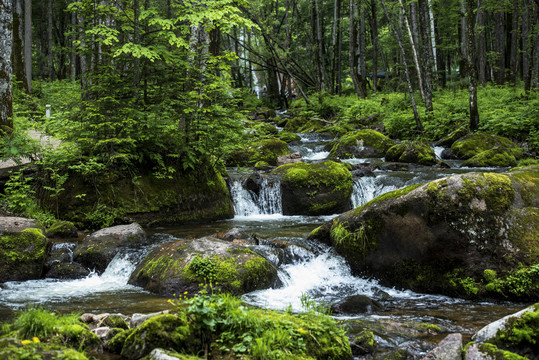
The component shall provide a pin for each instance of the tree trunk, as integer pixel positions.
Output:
(50, 41)
(362, 44)
(481, 43)
(136, 41)
(500, 46)
(358, 85)
(374, 35)
(471, 65)
(535, 56)
(334, 47)
(319, 46)
(414, 53)
(73, 55)
(28, 43)
(17, 52)
(526, 47)
(6, 96)
(427, 54)
(398, 36)
(513, 58)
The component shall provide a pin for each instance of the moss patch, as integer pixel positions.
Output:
(22, 255)
(363, 143)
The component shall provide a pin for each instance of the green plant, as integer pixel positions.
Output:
(203, 267)
(18, 192)
(35, 322)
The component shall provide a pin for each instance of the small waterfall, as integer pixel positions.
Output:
(248, 202)
(367, 188)
(65, 246)
(438, 152)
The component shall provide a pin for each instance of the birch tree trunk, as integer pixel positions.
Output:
(6, 96)
(398, 36)
(358, 85)
(471, 58)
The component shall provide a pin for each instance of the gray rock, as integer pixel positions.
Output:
(138, 319)
(101, 332)
(290, 158)
(356, 304)
(160, 354)
(474, 353)
(489, 331)
(13, 224)
(447, 349)
(97, 250)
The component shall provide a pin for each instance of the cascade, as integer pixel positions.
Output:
(247, 202)
(367, 188)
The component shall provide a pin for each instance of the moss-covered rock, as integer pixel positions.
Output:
(29, 349)
(164, 331)
(448, 140)
(269, 150)
(288, 136)
(498, 156)
(97, 250)
(116, 197)
(185, 265)
(22, 255)
(473, 144)
(62, 229)
(315, 189)
(416, 152)
(439, 237)
(362, 144)
(363, 343)
(295, 123)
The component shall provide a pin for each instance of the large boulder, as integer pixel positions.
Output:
(416, 152)
(183, 265)
(262, 151)
(315, 189)
(97, 250)
(471, 235)
(362, 144)
(92, 202)
(22, 254)
(14, 224)
(500, 151)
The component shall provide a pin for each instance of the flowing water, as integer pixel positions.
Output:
(305, 268)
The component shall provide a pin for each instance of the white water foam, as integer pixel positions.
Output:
(367, 188)
(438, 151)
(249, 204)
(20, 294)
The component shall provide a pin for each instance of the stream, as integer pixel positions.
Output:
(305, 268)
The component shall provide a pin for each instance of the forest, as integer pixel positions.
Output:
(244, 169)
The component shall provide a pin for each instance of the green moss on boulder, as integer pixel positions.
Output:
(361, 144)
(315, 189)
(417, 152)
(62, 229)
(498, 156)
(163, 331)
(473, 144)
(440, 237)
(22, 255)
(288, 136)
(186, 265)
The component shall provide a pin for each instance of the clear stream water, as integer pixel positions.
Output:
(304, 267)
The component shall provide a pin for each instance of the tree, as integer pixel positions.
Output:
(28, 43)
(471, 64)
(6, 39)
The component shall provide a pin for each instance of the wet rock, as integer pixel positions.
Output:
(361, 144)
(363, 343)
(440, 237)
(160, 354)
(401, 354)
(97, 250)
(315, 189)
(183, 265)
(448, 349)
(416, 152)
(363, 170)
(290, 158)
(356, 304)
(236, 236)
(393, 166)
(13, 224)
(23, 253)
(101, 332)
(446, 154)
(253, 183)
(66, 270)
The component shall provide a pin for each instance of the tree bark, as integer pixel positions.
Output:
(362, 44)
(28, 44)
(513, 58)
(427, 53)
(398, 36)
(358, 85)
(374, 35)
(318, 35)
(6, 95)
(73, 54)
(471, 65)
(17, 52)
(481, 43)
(136, 41)
(535, 56)
(50, 42)
(500, 46)
(526, 47)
